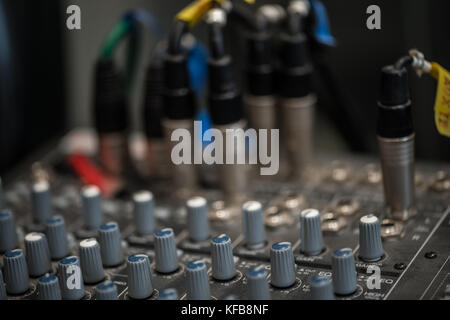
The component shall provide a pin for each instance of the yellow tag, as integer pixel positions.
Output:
(442, 104)
(195, 11)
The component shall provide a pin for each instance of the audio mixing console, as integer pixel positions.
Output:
(174, 215)
(212, 253)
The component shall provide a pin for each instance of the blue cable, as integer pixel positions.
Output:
(322, 31)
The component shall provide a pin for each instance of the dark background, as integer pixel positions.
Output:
(32, 92)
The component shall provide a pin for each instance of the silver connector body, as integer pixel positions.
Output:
(297, 131)
(397, 164)
(233, 177)
(261, 111)
(184, 176)
(114, 153)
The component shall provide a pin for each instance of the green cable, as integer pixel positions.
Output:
(114, 37)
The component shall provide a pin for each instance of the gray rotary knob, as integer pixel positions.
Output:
(370, 246)
(48, 288)
(311, 233)
(168, 294)
(282, 265)
(8, 235)
(144, 216)
(321, 288)
(37, 254)
(91, 202)
(253, 225)
(223, 266)
(2, 287)
(165, 251)
(15, 271)
(91, 261)
(197, 219)
(344, 271)
(106, 290)
(57, 237)
(41, 203)
(258, 287)
(111, 244)
(71, 278)
(139, 277)
(197, 281)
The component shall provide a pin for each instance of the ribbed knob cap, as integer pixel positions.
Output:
(311, 232)
(253, 225)
(370, 246)
(344, 271)
(168, 294)
(57, 237)
(71, 278)
(197, 219)
(48, 288)
(165, 251)
(144, 216)
(321, 288)
(8, 235)
(91, 202)
(197, 281)
(2, 287)
(111, 244)
(91, 261)
(37, 254)
(139, 277)
(41, 203)
(282, 264)
(15, 271)
(223, 267)
(258, 287)
(106, 290)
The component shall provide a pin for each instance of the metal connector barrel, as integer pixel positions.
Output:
(297, 123)
(396, 143)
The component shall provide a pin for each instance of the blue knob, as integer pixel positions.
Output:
(223, 266)
(370, 246)
(197, 219)
(8, 235)
(91, 261)
(15, 271)
(144, 216)
(258, 287)
(253, 225)
(71, 278)
(282, 264)
(344, 271)
(48, 288)
(197, 281)
(311, 233)
(37, 254)
(57, 237)
(111, 244)
(321, 288)
(41, 204)
(139, 277)
(165, 251)
(168, 294)
(106, 290)
(91, 202)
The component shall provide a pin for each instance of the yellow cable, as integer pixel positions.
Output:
(195, 11)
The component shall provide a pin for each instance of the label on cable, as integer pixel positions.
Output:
(442, 103)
